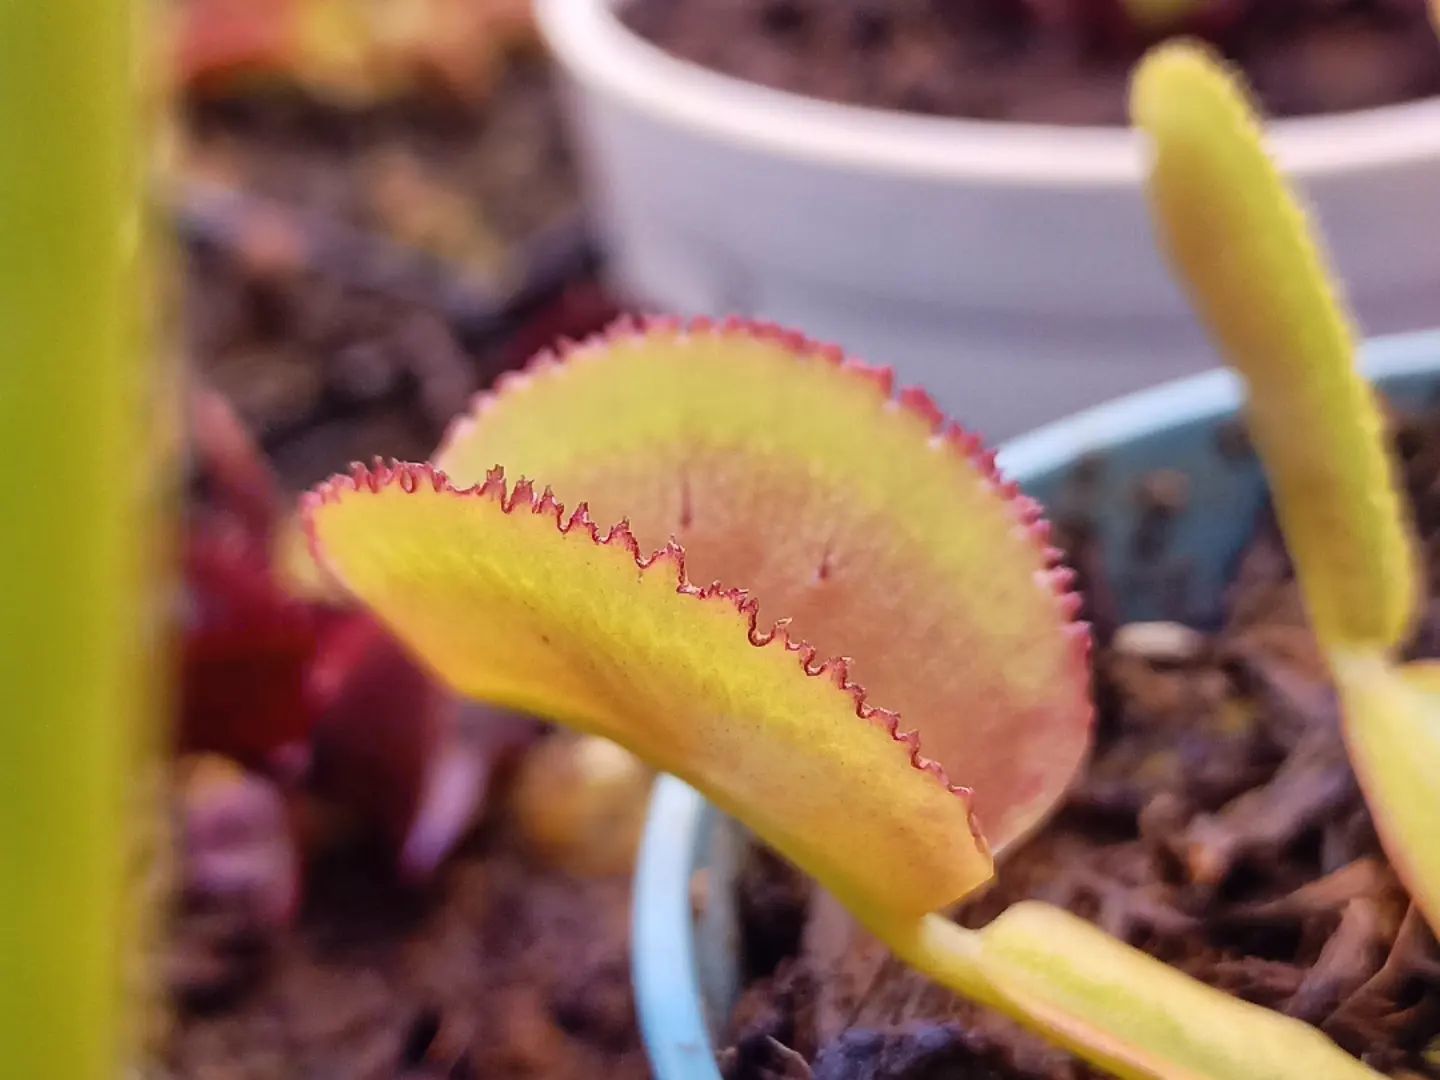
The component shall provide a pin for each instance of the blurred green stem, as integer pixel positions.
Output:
(79, 610)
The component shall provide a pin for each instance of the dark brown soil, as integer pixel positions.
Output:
(499, 970)
(352, 276)
(1218, 827)
(1003, 60)
(467, 183)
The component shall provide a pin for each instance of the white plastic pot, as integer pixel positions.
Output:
(1010, 268)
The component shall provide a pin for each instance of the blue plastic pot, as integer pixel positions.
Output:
(685, 966)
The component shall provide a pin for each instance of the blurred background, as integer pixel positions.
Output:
(379, 212)
(390, 200)
(379, 206)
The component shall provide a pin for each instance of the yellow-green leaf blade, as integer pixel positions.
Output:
(1392, 731)
(881, 531)
(1241, 245)
(511, 601)
(1115, 1006)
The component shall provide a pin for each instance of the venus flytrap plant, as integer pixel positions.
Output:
(1240, 243)
(868, 527)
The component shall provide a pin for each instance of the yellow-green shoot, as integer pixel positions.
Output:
(1241, 245)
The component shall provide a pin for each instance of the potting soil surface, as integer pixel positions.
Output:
(338, 351)
(467, 182)
(1003, 60)
(499, 969)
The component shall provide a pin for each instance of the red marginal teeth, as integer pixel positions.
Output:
(881, 379)
(922, 405)
(523, 492)
(836, 669)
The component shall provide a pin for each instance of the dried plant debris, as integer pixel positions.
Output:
(505, 970)
(468, 185)
(239, 884)
(355, 272)
(321, 372)
(1218, 827)
(351, 54)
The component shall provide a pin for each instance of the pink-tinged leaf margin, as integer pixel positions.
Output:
(522, 497)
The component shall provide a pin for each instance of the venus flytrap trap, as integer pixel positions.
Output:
(867, 527)
(1241, 245)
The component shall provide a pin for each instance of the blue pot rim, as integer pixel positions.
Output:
(663, 948)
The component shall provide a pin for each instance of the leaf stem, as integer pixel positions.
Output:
(1114, 1006)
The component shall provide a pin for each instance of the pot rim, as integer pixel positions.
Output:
(605, 57)
(663, 941)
